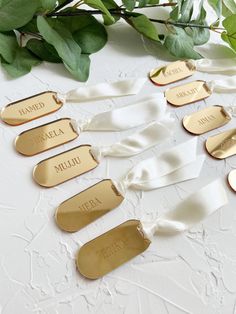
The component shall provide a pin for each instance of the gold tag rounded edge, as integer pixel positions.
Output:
(30, 108)
(65, 166)
(172, 72)
(87, 206)
(187, 93)
(205, 120)
(232, 179)
(222, 145)
(45, 137)
(110, 250)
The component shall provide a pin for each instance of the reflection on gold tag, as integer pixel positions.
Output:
(232, 179)
(45, 137)
(31, 108)
(111, 249)
(87, 206)
(187, 93)
(222, 145)
(206, 120)
(172, 72)
(65, 166)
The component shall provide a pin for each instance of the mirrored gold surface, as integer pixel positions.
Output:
(45, 137)
(111, 249)
(206, 120)
(65, 166)
(30, 108)
(222, 145)
(187, 93)
(232, 179)
(87, 206)
(172, 72)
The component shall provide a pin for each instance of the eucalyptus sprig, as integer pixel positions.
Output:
(61, 31)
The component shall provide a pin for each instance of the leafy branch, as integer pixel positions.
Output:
(60, 31)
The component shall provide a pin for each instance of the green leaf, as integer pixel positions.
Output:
(90, 35)
(22, 63)
(229, 35)
(129, 4)
(98, 4)
(186, 11)
(8, 46)
(110, 4)
(48, 4)
(143, 25)
(16, 13)
(217, 6)
(29, 27)
(230, 5)
(180, 45)
(43, 50)
(67, 48)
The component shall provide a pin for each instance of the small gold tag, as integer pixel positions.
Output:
(87, 206)
(45, 137)
(111, 249)
(188, 93)
(206, 120)
(232, 179)
(222, 145)
(65, 166)
(172, 72)
(31, 108)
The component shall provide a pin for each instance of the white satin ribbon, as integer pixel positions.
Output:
(215, 65)
(230, 110)
(223, 86)
(151, 109)
(178, 164)
(103, 91)
(192, 210)
(138, 142)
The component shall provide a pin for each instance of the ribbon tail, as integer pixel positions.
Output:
(189, 212)
(105, 90)
(215, 65)
(223, 86)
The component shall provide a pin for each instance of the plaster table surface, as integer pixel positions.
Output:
(194, 272)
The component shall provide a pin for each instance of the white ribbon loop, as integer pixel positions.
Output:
(192, 210)
(223, 86)
(230, 110)
(138, 142)
(103, 91)
(215, 65)
(178, 164)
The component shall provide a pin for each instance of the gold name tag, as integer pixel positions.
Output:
(187, 93)
(45, 137)
(111, 249)
(65, 166)
(172, 72)
(31, 108)
(87, 206)
(206, 120)
(222, 145)
(232, 179)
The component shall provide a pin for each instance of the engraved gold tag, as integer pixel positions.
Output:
(87, 206)
(65, 166)
(45, 137)
(31, 108)
(111, 249)
(222, 145)
(206, 120)
(232, 179)
(172, 72)
(188, 93)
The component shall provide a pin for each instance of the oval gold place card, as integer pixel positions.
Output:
(222, 145)
(232, 179)
(65, 166)
(111, 249)
(45, 137)
(30, 108)
(187, 93)
(206, 120)
(172, 72)
(87, 206)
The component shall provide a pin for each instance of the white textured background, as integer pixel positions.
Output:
(191, 273)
